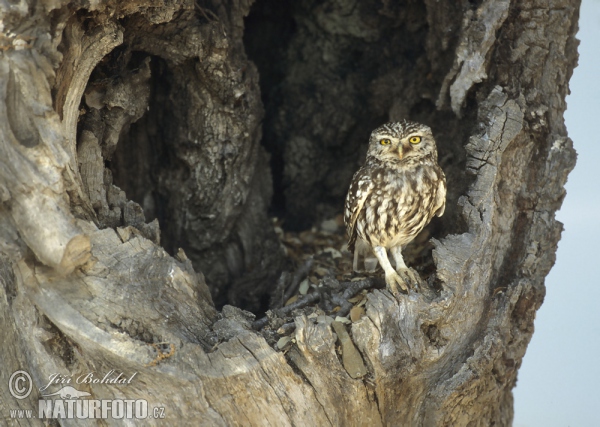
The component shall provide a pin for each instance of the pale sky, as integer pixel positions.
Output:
(559, 382)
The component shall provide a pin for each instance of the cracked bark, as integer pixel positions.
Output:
(127, 126)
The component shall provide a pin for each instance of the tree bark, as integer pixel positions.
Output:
(133, 185)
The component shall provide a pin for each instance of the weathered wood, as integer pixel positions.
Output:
(119, 113)
(32, 162)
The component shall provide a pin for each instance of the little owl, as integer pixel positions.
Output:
(393, 196)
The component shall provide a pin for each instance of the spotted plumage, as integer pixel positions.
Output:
(393, 196)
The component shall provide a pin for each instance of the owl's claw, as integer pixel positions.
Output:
(404, 278)
(393, 281)
(411, 278)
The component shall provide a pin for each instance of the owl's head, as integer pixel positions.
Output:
(402, 142)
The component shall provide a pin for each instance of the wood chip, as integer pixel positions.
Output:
(343, 320)
(283, 341)
(291, 300)
(351, 358)
(321, 271)
(356, 313)
(286, 328)
(324, 319)
(303, 288)
(356, 299)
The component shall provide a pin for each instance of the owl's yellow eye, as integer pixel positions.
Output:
(385, 141)
(414, 139)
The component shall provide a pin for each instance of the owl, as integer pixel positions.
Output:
(393, 196)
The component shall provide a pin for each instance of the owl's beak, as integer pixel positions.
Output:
(401, 151)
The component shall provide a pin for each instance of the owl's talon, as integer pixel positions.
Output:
(403, 278)
(411, 278)
(393, 281)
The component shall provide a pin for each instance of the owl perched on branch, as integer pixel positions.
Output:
(393, 196)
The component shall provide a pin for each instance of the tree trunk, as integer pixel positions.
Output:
(135, 181)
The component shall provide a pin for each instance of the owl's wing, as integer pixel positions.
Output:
(360, 188)
(440, 197)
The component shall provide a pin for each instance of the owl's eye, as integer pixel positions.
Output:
(385, 141)
(414, 139)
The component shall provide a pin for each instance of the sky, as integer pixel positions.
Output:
(559, 381)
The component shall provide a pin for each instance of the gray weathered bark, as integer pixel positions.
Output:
(130, 125)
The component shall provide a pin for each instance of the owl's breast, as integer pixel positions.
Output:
(398, 208)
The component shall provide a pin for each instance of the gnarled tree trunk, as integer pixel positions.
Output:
(131, 129)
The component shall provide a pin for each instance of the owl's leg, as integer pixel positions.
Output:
(370, 264)
(392, 279)
(406, 273)
(363, 250)
(355, 262)
(398, 258)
